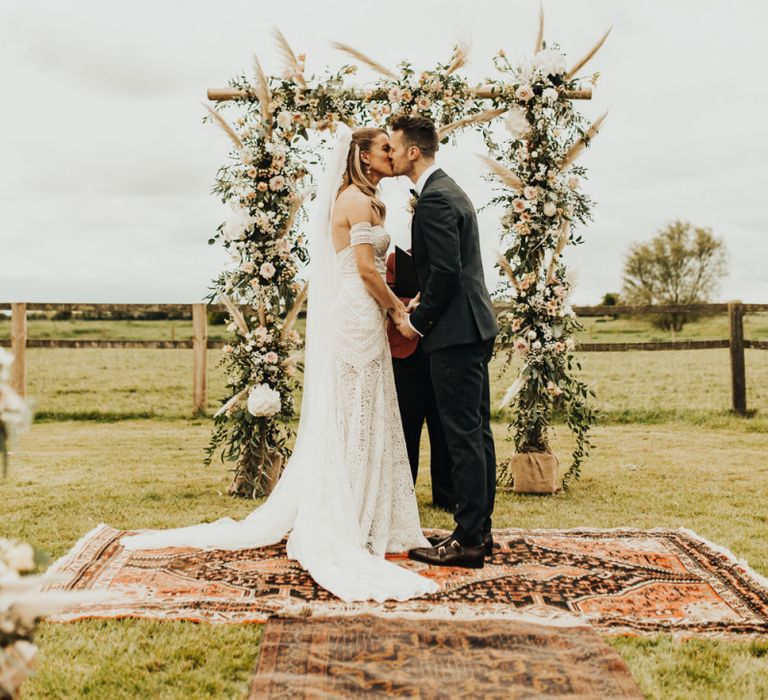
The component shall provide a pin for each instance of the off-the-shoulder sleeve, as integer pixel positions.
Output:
(361, 233)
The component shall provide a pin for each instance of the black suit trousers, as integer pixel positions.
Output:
(462, 388)
(416, 398)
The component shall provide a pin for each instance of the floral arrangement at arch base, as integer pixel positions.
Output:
(267, 180)
(540, 189)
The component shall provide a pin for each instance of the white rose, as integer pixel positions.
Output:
(14, 412)
(6, 360)
(549, 62)
(284, 120)
(549, 95)
(536, 345)
(550, 209)
(237, 224)
(267, 270)
(263, 400)
(530, 192)
(247, 267)
(20, 557)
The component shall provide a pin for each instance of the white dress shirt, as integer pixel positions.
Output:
(419, 186)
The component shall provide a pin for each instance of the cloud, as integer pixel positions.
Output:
(106, 168)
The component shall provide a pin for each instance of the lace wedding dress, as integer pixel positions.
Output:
(346, 495)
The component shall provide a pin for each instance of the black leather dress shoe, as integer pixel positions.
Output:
(450, 552)
(487, 542)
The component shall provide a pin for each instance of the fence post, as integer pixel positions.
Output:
(19, 348)
(738, 373)
(199, 352)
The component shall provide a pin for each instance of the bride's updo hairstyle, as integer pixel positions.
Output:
(362, 140)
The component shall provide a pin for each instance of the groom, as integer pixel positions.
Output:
(458, 326)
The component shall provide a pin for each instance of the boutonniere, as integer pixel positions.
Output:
(413, 201)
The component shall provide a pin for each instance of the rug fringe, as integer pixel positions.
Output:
(60, 565)
(462, 612)
(742, 564)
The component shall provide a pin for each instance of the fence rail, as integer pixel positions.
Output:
(198, 313)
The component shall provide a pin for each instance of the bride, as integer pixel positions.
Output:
(346, 496)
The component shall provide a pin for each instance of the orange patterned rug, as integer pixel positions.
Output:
(615, 580)
(367, 656)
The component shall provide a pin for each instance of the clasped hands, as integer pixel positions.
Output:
(399, 316)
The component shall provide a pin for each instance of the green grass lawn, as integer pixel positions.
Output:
(114, 442)
(69, 476)
(691, 387)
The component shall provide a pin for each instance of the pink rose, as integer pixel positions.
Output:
(283, 246)
(271, 357)
(524, 93)
(520, 346)
(521, 229)
(267, 270)
(277, 183)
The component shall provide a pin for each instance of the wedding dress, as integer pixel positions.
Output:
(346, 495)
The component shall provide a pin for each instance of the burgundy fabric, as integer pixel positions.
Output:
(399, 345)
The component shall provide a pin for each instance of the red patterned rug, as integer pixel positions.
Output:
(366, 656)
(615, 580)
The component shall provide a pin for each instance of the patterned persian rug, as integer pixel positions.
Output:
(617, 581)
(362, 657)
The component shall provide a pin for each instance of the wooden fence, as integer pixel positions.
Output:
(200, 342)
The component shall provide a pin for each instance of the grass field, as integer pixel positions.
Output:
(692, 387)
(645, 387)
(667, 454)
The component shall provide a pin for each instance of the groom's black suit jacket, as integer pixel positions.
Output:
(455, 306)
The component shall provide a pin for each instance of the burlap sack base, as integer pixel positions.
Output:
(535, 472)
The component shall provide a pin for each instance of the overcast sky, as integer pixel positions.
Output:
(106, 169)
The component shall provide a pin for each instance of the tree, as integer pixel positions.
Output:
(682, 264)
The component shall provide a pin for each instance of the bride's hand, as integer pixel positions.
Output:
(397, 311)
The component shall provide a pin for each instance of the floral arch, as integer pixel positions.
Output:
(266, 181)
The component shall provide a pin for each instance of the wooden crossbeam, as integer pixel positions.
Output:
(485, 92)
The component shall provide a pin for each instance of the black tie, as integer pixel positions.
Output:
(414, 193)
